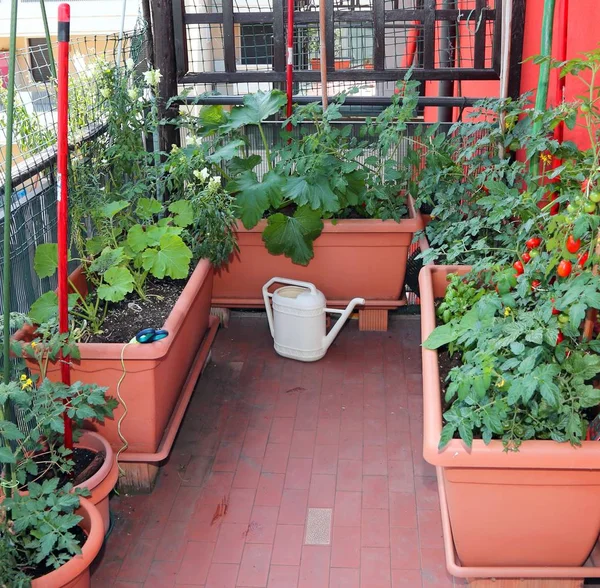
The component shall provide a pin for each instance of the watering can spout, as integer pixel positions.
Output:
(329, 338)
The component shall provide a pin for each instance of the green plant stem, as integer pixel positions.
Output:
(544, 76)
(51, 60)
(267, 150)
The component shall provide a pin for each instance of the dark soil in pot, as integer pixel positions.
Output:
(85, 464)
(127, 318)
(446, 362)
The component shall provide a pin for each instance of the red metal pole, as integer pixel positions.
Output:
(289, 68)
(563, 20)
(64, 23)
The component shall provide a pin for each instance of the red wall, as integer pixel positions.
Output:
(583, 34)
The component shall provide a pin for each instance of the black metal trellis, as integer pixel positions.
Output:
(221, 43)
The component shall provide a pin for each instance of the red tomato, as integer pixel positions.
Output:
(554, 310)
(572, 244)
(564, 268)
(560, 338)
(518, 267)
(526, 257)
(535, 284)
(584, 185)
(533, 243)
(581, 259)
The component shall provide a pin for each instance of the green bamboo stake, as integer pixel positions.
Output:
(541, 98)
(48, 40)
(10, 108)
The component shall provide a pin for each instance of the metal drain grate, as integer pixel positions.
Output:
(318, 526)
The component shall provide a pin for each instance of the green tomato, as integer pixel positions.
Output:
(534, 253)
(446, 316)
(563, 319)
(595, 196)
(585, 108)
(571, 208)
(589, 207)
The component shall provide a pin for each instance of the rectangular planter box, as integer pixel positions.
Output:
(155, 372)
(539, 506)
(358, 257)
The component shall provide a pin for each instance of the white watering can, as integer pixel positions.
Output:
(297, 319)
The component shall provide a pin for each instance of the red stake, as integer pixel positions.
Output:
(289, 67)
(64, 23)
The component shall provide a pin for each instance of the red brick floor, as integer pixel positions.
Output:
(273, 438)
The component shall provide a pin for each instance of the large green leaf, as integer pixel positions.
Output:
(254, 198)
(45, 260)
(441, 336)
(227, 152)
(257, 107)
(109, 258)
(118, 282)
(240, 164)
(138, 238)
(109, 210)
(211, 118)
(316, 192)
(147, 207)
(171, 259)
(184, 214)
(44, 308)
(294, 236)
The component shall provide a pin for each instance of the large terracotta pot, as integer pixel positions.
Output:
(154, 373)
(104, 480)
(539, 506)
(76, 573)
(358, 257)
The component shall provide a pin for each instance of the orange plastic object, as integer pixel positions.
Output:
(508, 512)
(355, 257)
(76, 573)
(104, 480)
(156, 372)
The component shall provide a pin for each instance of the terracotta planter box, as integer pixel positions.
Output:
(155, 372)
(539, 506)
(363, 257)
(315, 64)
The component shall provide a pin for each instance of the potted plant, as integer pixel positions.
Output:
(325, 210)
(145, 262)
(508, 377)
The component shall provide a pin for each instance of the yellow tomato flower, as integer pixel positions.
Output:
(507, 311)
(23, 377)
(500, 383)
(546, 158)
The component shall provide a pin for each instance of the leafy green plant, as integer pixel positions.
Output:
(325, 173)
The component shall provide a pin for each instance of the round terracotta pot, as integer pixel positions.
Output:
(104, 480)
(76, 572)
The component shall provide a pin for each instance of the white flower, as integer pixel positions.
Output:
(152, 77)
(215, 182)
(129, 64)
(204, 174)
(133, 94)
(105, 92)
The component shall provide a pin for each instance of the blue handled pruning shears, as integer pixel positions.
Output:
(151, 335)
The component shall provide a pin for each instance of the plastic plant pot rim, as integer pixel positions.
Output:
(455, 569)
(536, 454)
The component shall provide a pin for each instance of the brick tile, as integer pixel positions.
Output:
(235, 428)
(185, 503)
(226, 457)
(218, 483)
(287, 403)
(262, 524)
(314, 567)
(222, 575)
(403, 509)
(298, 473)
(328, 431)
(262, 417)
(326, 459)
(375, 460)
(345, 547)
(276, 458)
(349, 475)
(351, 445)
(254, 570)
(240, 505)
(406, 579)
(405, 548)
(195, 564)
(352, 421)
(430, 529)
(281, 430)
(283, 576)
(270, 489)
(322, 491)
(288, 545)
(375, 567)
(196, 471)
(375, 492)
(230, 544)
(347, 510)
(426, 490)
(162, 574)
(292, 510)
(248, 472)
(119, 584)
(303, 444)
(375, 432)
(400, 476)
(399, 447)
(375, 527)
(137, 561)
(433, 569)
(255, 443)
(172, 541)
(344, 578)
(307, 415)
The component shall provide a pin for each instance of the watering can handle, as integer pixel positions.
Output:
(267, 295)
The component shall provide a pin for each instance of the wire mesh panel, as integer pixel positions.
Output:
(238, 46)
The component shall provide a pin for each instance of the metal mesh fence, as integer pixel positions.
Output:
(33, 211)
